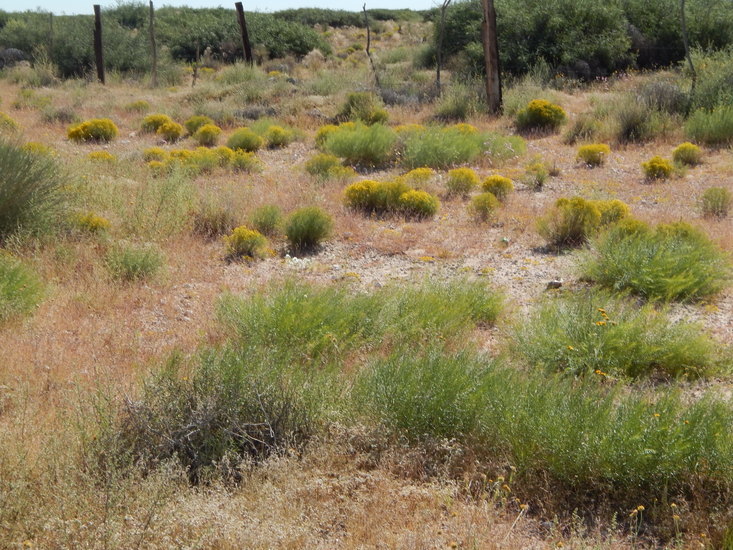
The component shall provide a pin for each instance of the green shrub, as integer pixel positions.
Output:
(277, 136)
(96, 129)
(267, 219)
(461, 181)
(595, 332)
(170, 131)
(246, 243)
(207, 135)
(195, 122)
(499, 186)
(540, 114)
(687, 154)
(418, 204)
(716, 202)
(151, 123)
(31, 186)
(20, 288)
(483, 206)
(244, 139)
(361, 145)
(322, 134)
(423, 397)
(133, 262)
(363, 107)
(657, 168)
(307, 227)
(711, 127)
(594, 155)
(670, 262)
(612, 211)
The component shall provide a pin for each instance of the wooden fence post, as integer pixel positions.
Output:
(491, 57)
(98, 42)
(153, 46)
(245, 35)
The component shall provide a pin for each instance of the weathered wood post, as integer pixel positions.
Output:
(98, 42)
(153, 47)
(245, 35)
(439, 49)
(491, 57)
(368, 45)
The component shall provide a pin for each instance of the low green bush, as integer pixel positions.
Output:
(499, 186)
(668, 262)
(595, 154)
(716, 202)
(94, 130)
(131, 262)
(244, 139)
(20, 288)
(540, 114)
(246, 243)
(267, 219)
(596, 333)
(483, 206)
(535, 175)
(657, 168)
(139, 106)
(687, 154)
(7, 124)
(31, 197)
(461, 181)
(307, 227)
(711, 127)
(361, 145)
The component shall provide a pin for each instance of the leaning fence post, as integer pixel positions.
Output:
(153, 47)
(245, 35)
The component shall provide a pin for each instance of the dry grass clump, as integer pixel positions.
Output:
(716, 202)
